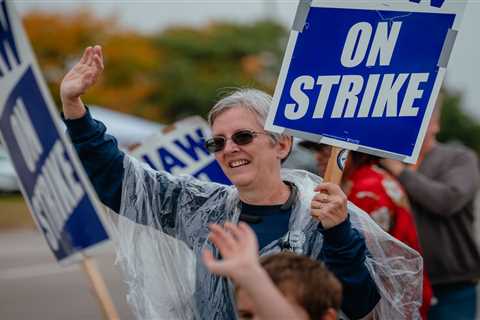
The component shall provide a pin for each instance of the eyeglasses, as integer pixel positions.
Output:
(240, 138)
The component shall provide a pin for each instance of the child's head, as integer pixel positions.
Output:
(307, 284)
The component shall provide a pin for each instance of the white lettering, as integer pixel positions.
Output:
(407, 109)
(350, 87)
(75, 188)
(326, 83)
(40, 213)
(368, 95)
(356, 44)
(55, 179)
(295, 111)
(8, 47)
(388, 95)
(25, 135)
(383, 43)
(56, 194)
(49, 205)
(355, 98)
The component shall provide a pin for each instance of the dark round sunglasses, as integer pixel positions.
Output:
(241, 138)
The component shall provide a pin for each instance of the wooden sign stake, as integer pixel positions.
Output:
(100, 289)
(334, 173)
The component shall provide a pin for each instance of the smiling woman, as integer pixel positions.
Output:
(167, 217)
(254, 168)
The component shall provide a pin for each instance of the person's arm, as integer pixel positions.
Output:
(446, 193)
(239, 249)
(151, 197)
(100, 156)
(344, 251)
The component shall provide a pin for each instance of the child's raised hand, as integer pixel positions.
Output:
(239, 249)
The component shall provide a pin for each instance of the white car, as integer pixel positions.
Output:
(8, 177)
(129, 131)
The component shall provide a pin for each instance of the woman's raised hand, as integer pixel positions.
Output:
(79, 79)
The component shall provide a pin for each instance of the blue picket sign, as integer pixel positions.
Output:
(364, 79)
(51, 177)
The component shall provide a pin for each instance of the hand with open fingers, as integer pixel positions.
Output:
(239, 249)
(83, 75)
(329, 205)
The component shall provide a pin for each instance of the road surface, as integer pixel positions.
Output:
(34, 286)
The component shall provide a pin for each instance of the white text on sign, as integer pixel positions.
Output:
(8, 49)
(56, 192)
(185, 154)
(355, 95)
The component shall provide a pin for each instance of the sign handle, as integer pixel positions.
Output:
(334, 170)
(100, 289)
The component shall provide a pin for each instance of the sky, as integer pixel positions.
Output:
(147, 16)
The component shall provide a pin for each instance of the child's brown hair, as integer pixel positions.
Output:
(311, 284)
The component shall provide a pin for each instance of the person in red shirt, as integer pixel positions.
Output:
(378, 193)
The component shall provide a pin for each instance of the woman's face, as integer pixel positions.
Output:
(252, 165)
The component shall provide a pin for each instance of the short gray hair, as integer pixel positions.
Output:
(254, 100)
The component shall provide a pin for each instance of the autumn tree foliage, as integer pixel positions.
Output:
(130, 58)
(162, 76)
(456, 125)
(208, 62)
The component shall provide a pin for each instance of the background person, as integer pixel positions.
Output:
(301, 158)
(321, 154)
(374, 190)
(442, 188)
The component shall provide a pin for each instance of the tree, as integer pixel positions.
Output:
(456, 125)
(72, 32)
(130, 58)
(164, 76)
(205, 62)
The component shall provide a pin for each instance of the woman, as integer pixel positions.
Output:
(171, 214)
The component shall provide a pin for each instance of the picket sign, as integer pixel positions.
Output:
(53, 183)
(180, 149)
(365, 75)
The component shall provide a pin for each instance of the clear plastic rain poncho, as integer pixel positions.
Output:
(163, 227)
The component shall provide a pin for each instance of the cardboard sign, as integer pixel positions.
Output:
(180, 149)
(365, 75)
(52, 179)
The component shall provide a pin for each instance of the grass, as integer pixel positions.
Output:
(14, 213)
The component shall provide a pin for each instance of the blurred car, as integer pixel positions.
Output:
(129, 130)
(8, 177)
